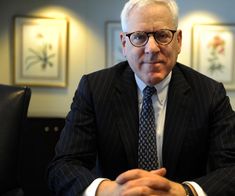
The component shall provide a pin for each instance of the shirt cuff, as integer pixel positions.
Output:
(91, 189)
(197, 188)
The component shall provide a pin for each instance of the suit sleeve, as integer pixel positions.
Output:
(69, 173)
(220, 179)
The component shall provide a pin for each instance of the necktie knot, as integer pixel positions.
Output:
(149, 91)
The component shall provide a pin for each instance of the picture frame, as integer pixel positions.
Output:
(114, 53)
(40, 51)
(213, 52)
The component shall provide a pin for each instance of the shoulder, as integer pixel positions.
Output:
(193, 77)
(110, 72)
(108, 77)
(196, 84)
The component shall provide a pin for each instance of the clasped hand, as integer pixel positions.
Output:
(140, 182)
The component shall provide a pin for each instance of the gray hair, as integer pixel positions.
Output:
(171, 4)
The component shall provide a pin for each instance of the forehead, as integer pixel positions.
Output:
(150, 18)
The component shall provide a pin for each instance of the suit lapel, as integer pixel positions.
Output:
(177, 118)
(126, 103)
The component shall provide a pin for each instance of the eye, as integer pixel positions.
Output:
(163, 35)
(139, 36)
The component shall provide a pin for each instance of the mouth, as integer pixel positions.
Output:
(156, 63)
(153, 66)
(153, 61)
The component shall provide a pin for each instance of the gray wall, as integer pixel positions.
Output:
(87, 40)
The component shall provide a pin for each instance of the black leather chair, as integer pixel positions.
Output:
(14, 102)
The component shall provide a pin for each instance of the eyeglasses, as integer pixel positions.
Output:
(140, 38)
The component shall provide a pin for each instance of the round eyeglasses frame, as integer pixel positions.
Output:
(155, 35)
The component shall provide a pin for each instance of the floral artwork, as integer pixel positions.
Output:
(217, 49)
(40, 51)
(213, 50)
(40, 56)
(114, 48)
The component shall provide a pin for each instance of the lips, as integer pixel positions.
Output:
(154, 62)
(153, 66)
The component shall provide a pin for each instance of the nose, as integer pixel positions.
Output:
(152, 46)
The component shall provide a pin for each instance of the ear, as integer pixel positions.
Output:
(123, 42)
(179, 40)
(122, 38)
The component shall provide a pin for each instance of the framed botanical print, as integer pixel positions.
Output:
(213, 52)
(113, 43)
(40, 51)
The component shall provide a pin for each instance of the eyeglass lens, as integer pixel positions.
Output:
(140, 38)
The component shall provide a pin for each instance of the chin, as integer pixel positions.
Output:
(154, 80)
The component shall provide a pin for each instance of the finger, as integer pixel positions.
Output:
(138, 177)
(141, 191)
(161, 171)
(152, 182)
(130, 175)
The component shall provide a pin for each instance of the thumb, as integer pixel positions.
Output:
(160, 172)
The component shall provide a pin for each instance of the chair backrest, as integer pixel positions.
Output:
(14, 102)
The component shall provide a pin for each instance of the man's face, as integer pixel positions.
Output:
(152, 62)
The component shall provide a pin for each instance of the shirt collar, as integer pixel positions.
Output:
(162, 87)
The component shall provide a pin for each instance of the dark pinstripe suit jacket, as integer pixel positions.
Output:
(199, 135)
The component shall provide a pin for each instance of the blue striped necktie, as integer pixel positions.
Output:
(147, 149)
